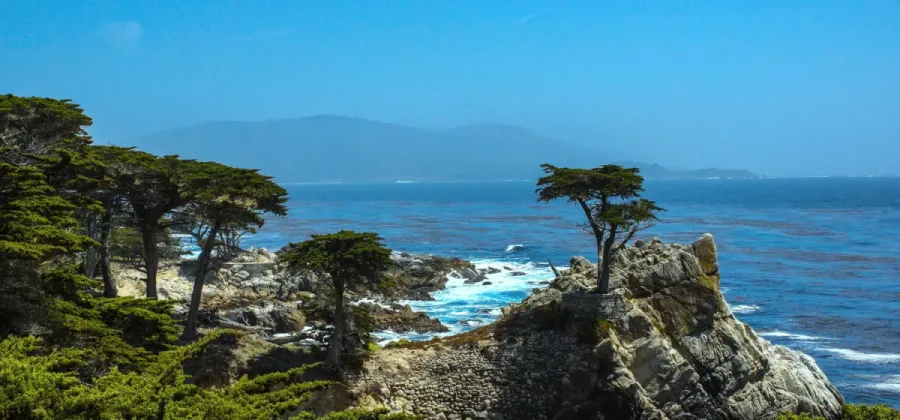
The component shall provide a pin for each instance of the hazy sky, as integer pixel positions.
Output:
(779, 87)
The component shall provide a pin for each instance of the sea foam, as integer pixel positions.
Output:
(515, 248)
(745, 309)
(858, 356)
(888, 384)
(790, 336)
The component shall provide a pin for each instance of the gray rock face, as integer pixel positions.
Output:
(402, 319)
(417, 276)
(273, 316)
(662, 345)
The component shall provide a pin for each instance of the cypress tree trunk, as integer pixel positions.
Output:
(90, 258)
(90, 262)
(605, 262)
(333, 359)
(599, 262)
(190, 326)
(109, 286)
(151, 254)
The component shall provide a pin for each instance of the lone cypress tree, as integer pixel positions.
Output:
(350, 259)
(609, 196)
(225, 196)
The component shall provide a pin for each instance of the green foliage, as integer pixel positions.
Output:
(106, 357)
(119, 331)
(609, 196)
(348, 257)
(853, 412)
(37, 384)
(373, 348)
(225, 197)
(397, 343)
(351, 260)
(125, 244)
(145, 323)
(36, 228)
(151, 184)
(592, 334)
(869, 412)
(37, 126)
(35, 224)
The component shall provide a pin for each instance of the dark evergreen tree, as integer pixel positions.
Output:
(151, 187)
(34, 126)
(225, 197)
(350, 259)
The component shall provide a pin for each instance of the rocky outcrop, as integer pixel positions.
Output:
(416, 277)
(272, 316)
(402, 319)
(254, 290)
(662, 345)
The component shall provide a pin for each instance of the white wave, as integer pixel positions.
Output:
(480, 297)
(405, 182)
(789, 336)
(858, 356)
(745, 309)
(515, 248)
(370, 300)
(387, 336)
(890, 384)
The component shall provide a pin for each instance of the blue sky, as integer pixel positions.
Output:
(779, 87)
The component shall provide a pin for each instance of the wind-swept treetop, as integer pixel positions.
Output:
(348, 255)
(37, 126)
(152, 184)
(577, 185)
(610, 198)
(230, 195)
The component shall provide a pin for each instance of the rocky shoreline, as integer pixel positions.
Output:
(662, 345)
(255, 292)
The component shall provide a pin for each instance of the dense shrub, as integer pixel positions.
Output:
(39, 384)
(853, 412)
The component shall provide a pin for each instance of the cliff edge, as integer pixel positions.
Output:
(662, 345)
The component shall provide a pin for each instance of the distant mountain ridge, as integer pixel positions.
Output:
(330, 148)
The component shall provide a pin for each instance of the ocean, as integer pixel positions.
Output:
(812, 264)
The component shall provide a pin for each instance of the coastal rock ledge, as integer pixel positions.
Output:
(662, 345)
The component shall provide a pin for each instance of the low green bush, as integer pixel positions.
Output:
(39, 384)
(853, 412)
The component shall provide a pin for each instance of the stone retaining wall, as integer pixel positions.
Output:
(518, 380)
